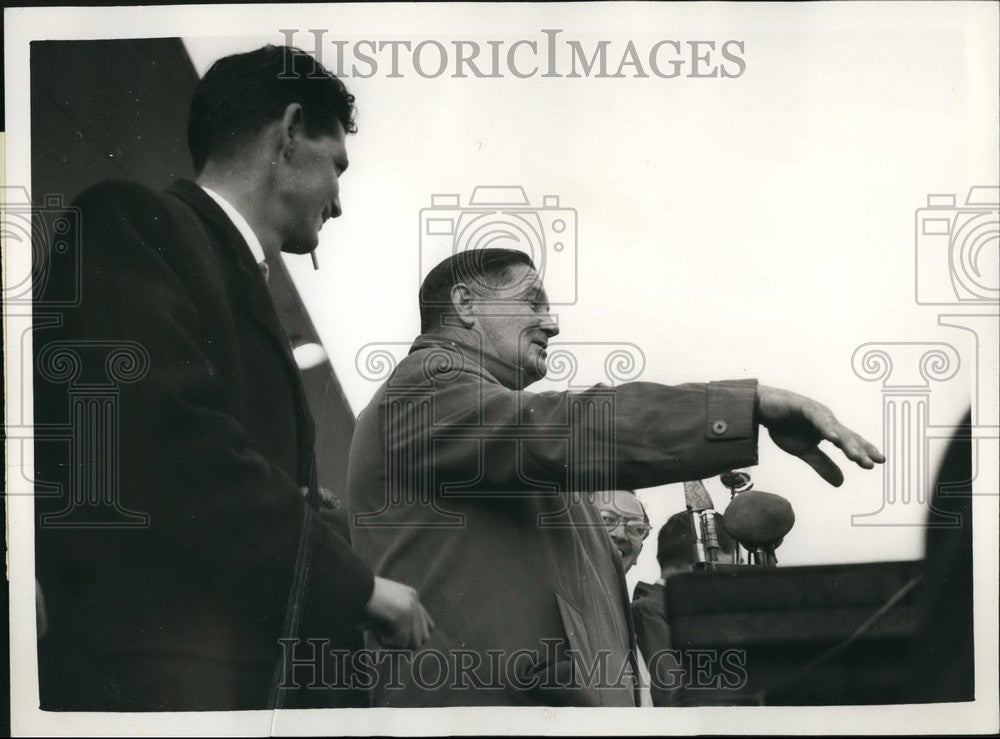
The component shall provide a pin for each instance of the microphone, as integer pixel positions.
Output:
(706, 539)
(696, 497)
(759, 522)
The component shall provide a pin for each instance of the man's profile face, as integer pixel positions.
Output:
(623, 517)
(309, 188)
(516, 325)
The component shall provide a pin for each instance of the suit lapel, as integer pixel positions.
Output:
(254, 300)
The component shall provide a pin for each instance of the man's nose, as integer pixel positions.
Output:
(618, 531)
(550, 326)
(335, 210)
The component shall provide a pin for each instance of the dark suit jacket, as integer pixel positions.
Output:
(206, 436)
(469, 491)
(653, 636)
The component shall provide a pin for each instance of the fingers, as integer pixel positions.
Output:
(824, 466)
(420, 631)
(416, 628)
(399, 618)
(864, 452)
(413, 631)
(423, 623)
(427, 620)
(856, 448)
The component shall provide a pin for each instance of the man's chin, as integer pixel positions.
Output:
(534, 372)
(301, 245)
(298, 249)
(627, 558)
(540, 363)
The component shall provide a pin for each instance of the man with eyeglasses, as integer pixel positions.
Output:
(626, 520)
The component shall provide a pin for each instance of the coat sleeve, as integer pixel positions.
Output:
(466, 429)
(218, 499)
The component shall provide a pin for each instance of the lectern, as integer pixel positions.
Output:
(822, 635)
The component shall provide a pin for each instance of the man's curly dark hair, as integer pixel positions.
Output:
(240, 94)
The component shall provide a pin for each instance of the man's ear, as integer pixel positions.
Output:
(291, 128)
(462, 304)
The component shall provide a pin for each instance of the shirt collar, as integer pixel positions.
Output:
(241, 224)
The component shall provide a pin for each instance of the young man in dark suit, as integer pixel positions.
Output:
(206, 550)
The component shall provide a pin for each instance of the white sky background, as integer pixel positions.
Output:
(758, 226)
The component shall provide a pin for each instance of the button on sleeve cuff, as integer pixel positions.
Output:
(730, 412)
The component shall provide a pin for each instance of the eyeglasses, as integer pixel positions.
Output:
(634, 527)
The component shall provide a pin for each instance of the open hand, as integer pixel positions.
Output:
(798, 424)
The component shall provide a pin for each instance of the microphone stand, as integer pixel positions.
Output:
(706, 537)
(739, 482)
(763, 556)
(758, 554)
(704, 526)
